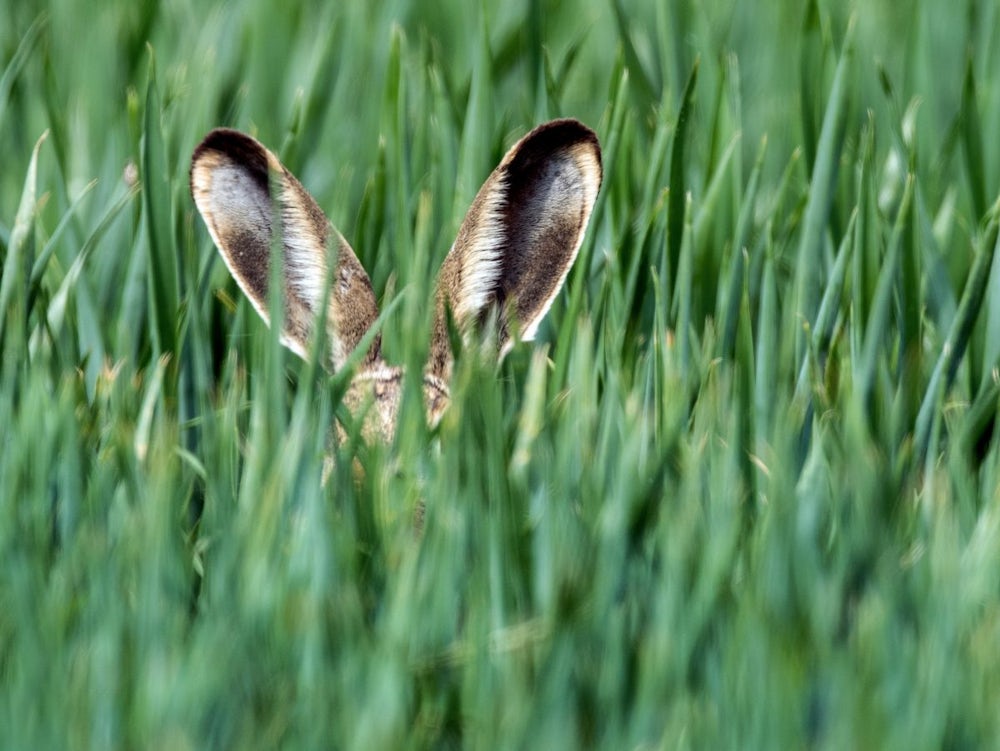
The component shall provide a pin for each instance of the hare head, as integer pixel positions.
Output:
(512, 254)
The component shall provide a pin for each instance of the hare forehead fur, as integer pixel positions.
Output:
(375, 395)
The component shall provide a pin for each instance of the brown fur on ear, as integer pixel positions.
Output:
(231, 175)
(520, 237)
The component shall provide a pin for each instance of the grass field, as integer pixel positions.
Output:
(742, 492)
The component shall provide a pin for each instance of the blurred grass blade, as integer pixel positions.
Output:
(867, 241)
(972, 141)
(766, 356)
(979, 421)
(38, 268)
(17, 62)
(940, 297)
(822, 186)
(815, 48)
(646, 86)
(708, 208)
(877, 329)
(57, 307)
(615, 168)
(164, 283)
(475, 152)
(952, 352)
(396, 132)
(678, 179)
(911, 303)
(684, 290)
(17, 264)
(826, 319)
(991, 352)
(730, 304)
(144, 425)
(654, 165)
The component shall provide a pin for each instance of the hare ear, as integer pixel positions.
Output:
(520, 237)
(231, 181)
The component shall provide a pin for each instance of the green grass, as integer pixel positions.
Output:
(742, 492)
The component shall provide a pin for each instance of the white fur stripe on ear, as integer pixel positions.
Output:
(483, 260)
(306, 269)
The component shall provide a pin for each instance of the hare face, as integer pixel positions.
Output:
(510, 259)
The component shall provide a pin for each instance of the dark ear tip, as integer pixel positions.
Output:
(568, 128)
(237, 147)
(559, 134)
(226, 141)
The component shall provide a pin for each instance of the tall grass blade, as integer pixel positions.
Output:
(678, 181)
(164, 280)
(809, 262)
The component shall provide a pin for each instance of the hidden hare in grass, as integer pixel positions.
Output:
(512, 254)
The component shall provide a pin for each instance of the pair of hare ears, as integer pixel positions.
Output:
(512, 254)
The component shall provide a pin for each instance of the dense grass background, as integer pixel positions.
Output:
(743, 492)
